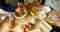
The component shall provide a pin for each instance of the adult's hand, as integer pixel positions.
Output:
(19, 10)
(58, 13)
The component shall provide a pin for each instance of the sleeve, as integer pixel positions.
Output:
(7, 8)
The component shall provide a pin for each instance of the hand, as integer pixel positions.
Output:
(19, 10)
(12, 24)
(58, 13)
(59, 10)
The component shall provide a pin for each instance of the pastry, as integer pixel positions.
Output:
(26, 27)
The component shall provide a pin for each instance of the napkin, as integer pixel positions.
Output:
(53, 4)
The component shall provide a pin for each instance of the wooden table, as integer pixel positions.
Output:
(18, 23)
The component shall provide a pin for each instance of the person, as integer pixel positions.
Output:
(8, 7)
(37, 6)
(7, 10)
(27, 2)
(37, 3)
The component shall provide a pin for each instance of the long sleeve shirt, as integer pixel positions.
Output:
(6, 7)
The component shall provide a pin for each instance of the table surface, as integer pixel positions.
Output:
(19, 22)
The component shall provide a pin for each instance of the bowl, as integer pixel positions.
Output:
(46, 9)
(22, 16)
(52, 18)
(41, 15)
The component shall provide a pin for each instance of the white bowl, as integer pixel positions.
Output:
(52, 18)
(20, 16)
(46, 9)
(41, 15)
(32, 20)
